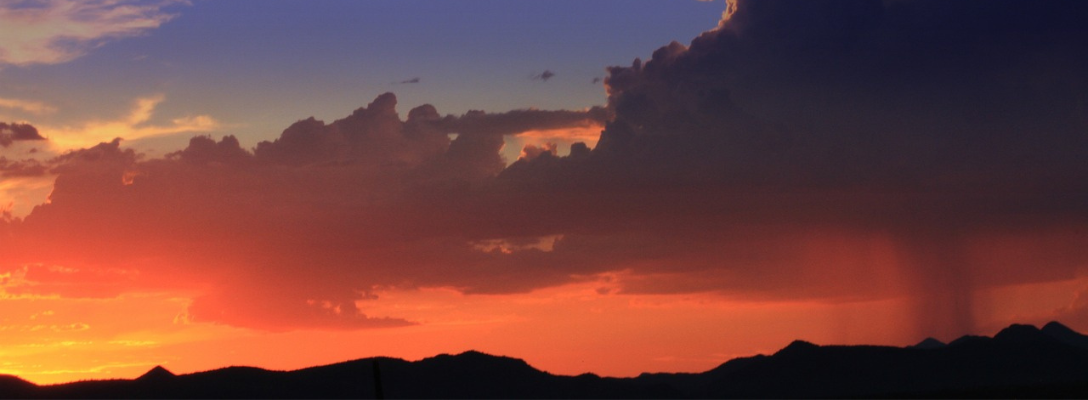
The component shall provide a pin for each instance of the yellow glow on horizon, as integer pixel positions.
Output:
(586, 326)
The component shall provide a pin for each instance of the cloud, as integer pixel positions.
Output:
(899, 113)
(413, 80)
(831, 94)
(9, 133)
(205, 150)
(33, 107)
(813, 151)
(544, 76)
(318, 180)
(21, 168)
(530, 152)
(23, 178)
(133, 126)
(375, 135)
(521, 121)
(58, 31)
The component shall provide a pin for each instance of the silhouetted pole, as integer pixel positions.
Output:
(378, 381)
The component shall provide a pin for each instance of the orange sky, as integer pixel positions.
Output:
(568, 329)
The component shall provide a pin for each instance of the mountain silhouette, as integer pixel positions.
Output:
(929, 343)
(1065, 335)
(15, 387)
(157, 374)
(1019, 361)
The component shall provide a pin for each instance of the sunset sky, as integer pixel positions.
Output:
(607, 186)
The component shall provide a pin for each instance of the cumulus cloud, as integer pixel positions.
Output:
(205, 150)
(372, 177)
(58, 31)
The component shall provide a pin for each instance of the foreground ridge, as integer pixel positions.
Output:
(1019, 361)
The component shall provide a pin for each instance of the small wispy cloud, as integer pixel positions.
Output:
(544, 76)
(132, 126)
(33, 107)
(58, 31)
(413, 80)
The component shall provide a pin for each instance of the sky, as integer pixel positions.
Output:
(611, 186)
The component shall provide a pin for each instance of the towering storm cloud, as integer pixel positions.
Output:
(818, 150)
(950, 126)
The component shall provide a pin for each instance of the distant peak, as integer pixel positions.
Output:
(797, 346)
(1018, 332)
(156, 373)
(929, 343)
(1056, 326)
(479, 355)
(1065, 335)
(967, 339)
(475, 353)
(1021, 327)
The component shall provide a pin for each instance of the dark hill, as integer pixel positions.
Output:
(929, 343)
(1065, 335)
(157, 374)
(14, 387)
(1019, 361)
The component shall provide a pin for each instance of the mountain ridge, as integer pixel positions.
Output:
(1018, 361)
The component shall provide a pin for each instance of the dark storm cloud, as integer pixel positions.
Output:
(804, 147)
(835, 93)
(939, 123)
